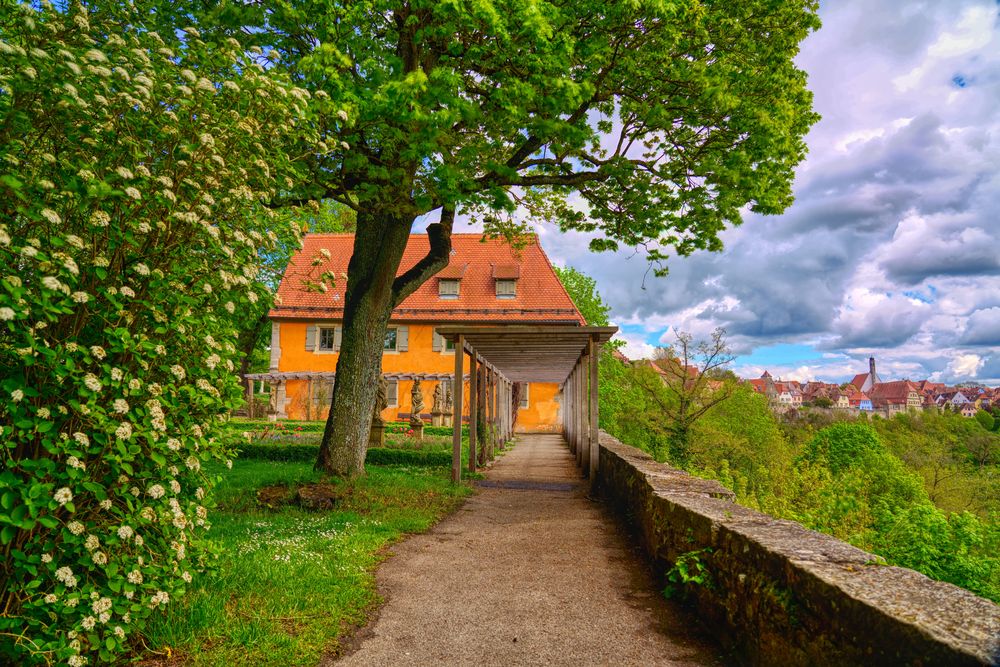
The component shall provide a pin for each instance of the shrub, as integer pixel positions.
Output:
(131, 219)
(375, 455)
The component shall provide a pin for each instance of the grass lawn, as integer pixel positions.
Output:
(291, 583)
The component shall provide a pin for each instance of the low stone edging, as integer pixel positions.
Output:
(785, 595)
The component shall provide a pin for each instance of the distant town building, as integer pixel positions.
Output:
(865, 381)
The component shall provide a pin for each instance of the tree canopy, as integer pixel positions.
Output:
(644, 124)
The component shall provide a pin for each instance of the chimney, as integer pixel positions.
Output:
(871, 368)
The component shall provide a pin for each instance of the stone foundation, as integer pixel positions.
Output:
(784, 595)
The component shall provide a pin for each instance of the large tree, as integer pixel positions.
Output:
(650, 124)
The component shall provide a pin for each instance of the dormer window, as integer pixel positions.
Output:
(506, 289)
(448, 288)
(449, 279)
(505, 276)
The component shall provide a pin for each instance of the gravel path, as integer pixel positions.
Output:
(527, 572)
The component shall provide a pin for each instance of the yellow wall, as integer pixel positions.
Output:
(542, 413)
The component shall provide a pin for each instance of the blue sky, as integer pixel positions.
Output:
(892, 247)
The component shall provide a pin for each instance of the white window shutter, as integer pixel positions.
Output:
(402, 339)
(438, 342)
(338, 334)
(312, 337)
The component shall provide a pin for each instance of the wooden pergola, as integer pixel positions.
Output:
(500, 357)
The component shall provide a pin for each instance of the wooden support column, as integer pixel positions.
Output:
(483, 449)
(473, 407)
(568, 394)
(581, 426)
(456, 434)
(572, 411)
(565, 408)
(584, 414)
(506, 410)
(570, 419)
(595, 449)
(490, 430)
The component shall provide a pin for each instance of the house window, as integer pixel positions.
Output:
(506, 288)
(524, 396)
(392, 393)
(449, 344)
(448, 288)
(391, 340)
(326, 338)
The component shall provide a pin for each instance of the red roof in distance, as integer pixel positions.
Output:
(540, 297)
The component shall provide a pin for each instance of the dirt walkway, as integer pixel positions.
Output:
(528, 572)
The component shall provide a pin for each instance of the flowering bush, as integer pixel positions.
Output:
(132, 183)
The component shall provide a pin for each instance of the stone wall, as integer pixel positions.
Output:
(784, 595)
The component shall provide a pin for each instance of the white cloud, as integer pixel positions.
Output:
(965, 365)
(635, 347)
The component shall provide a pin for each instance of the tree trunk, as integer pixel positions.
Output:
(378, 249)
(249, 343)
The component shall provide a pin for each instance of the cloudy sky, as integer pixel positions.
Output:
(892, 247)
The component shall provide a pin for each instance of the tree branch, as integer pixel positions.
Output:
(439, 234)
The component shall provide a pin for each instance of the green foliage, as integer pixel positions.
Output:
(842, 446)
(375, 455)
(986, 420)
(582, 290)
(897, 487)
(688, 570)
(133, 178)
(460, 105)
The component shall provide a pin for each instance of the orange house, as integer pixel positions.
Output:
(486, 282)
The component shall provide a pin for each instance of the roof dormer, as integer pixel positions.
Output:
(505, 276)
(449, 280)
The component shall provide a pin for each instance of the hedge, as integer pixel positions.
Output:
(375, 456)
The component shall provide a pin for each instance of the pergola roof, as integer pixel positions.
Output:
(523, 353)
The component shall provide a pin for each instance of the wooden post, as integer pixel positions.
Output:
(490, 431)
(584, 414)
(456, 434)
(481, 412)
(572, 411)
(250, 399)
(473, 426)
(595, 446)
(504, 402)
(579, 412)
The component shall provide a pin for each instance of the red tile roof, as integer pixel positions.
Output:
(540, 297)
(506, 271)
(892, 392)
(859, 380)
(453, 271)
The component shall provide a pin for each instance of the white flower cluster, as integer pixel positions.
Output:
(160, 598)
(65, 575)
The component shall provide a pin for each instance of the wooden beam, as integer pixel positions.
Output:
(595, 449)
(456, 433)
(473, 406)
